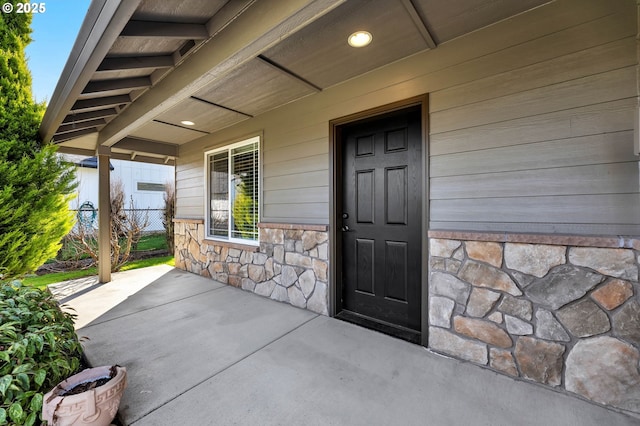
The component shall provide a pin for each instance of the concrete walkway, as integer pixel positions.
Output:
(202, 353)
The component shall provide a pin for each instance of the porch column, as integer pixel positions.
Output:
(104, 215)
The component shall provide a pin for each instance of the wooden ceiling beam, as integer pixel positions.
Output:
(289, 73)
(89, 115)
(249, 34)
(73, 135)
(117, 84)
(147, 146)
(136, 62)
(108, 101)
(419, 22)
(165, 30)
(72, 127)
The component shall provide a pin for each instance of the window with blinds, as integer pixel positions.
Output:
(233, 191)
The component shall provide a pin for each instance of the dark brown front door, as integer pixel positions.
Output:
(381, 220)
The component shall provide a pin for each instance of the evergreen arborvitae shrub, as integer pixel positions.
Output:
(35, 185)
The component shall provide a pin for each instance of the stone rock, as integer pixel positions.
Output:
(517, 326)
(235, 281)
(562, 285)
(288, 277)
(523, 280)
(289, 246)
(449, 286)
(218, 267)
(256, 273)
(297, 259)
(547, 327)
(221, 277)
(626, 323)
(310, 239)
(613, 294)
(502, 360)
(458, 254)
(248, 285)
(440, 310)
(495, 317)
(481, 275)
(246, 257)
(584, 319)
(298, 247)
(442, 248)
(605, 370)
(318, 300)
(437, 264)
(487, 252)
(323, 251)
(452, 265)
(517, 307)
(447, 342)
(244, 271)
(619, 263)
(485, 331)
(268, 268)
(273, 236)
(533, 259)
(234, 268)
(320, 268)
(265, 288)
(259, 258)
(540, 361)
(266, 248)
(481, 302)
(280, 294)
(293, 234)
(307, 282)
(278, 254)
(296, 298)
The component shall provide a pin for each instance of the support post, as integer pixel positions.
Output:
(104, 215)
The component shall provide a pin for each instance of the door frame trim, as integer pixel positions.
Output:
(335, 202)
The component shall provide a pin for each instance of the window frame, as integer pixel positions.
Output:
(207, 193)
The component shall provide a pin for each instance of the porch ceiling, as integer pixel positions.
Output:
(139, 68)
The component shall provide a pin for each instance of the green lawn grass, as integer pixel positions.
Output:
(44, 280)
(147, 242)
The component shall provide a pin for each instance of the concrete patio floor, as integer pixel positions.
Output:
(199, 352)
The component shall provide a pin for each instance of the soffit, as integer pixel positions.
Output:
(449, 19)
(163, 37)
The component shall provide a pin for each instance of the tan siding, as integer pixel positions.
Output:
(611, 56)
(591, 179)
(603, 148)
(585, 209)
(609, 86)
(590, 120)
(530, 128)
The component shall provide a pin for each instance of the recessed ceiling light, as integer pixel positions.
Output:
(187, 122)
(360, 39)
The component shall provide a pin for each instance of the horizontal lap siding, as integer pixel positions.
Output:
(531, 126)
(547, 147)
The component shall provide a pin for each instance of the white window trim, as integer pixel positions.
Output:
(207, 203)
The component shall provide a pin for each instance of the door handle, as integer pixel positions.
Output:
(345, 228)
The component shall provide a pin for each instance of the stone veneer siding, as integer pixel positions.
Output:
(546, 309)
(290, 265)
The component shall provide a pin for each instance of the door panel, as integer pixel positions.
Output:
(381, 225)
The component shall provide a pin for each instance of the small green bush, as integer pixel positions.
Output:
(38, 349)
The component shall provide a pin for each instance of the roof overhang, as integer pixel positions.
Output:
(140, 68)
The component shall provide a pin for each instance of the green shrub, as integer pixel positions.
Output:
(38, 349)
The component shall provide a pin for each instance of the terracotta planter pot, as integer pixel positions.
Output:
(96, 406)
